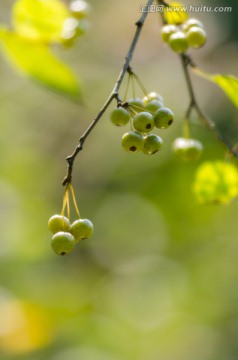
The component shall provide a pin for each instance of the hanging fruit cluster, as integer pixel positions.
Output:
(190, 33)
(67, 235)
(143, 115)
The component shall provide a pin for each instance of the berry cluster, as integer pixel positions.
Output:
(190, 34)
(143, 115)
(66, 235)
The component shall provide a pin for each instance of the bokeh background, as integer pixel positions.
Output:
(159, 278)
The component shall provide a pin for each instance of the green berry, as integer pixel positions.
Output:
(163, 118)
(132, 141)
(167, 31)
(120, 116)
(81, 229)
(62, 243)
(58, 223)
(187, 149)
(178, 42)
(152, 96)
(216, 182)
(152, 144)
(190, 23)
(79, 9)
(136, 104)
(196, 37)
(143, 122)
(153, 106)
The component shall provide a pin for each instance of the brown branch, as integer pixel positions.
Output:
(186, 62)
(114, 95)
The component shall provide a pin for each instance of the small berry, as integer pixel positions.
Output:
(163, 118)
(152, 96)
(153, 106)
(132, 141)
(167, 31)
(143, 122)
(152, 144)
(62, 243)
(58, 223)
(190, 23)
(81, 229)
(187, 149)
(196, 37)
(120, 116)
(136, 104)
(178, 42)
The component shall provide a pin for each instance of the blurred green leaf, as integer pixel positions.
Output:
(37, 61)
(40, 20)
(228, 83)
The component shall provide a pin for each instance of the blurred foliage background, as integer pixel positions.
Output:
(159, 278)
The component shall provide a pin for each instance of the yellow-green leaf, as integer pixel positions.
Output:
(228, 83)
(40, 20)
(175, 13)
(38, 62)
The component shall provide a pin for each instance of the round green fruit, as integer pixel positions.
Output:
(191, 23)
(216, 182)
(120, 116)
(136, 104)
(62, 243)
(178, 42)
(79, 9)
(58, 223)
(81, 229)
(153, 106)
(163, 118)
(143, 122)
(167, 31)
(152, 96)
(132, 141)
(152, 144)
(196, 37)
(187, 149)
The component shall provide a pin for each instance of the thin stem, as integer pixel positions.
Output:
(133, 88)
(194, 105)
(141, 84)
(114, 95)
(193, 102)
(127, 87)
(74, 200)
